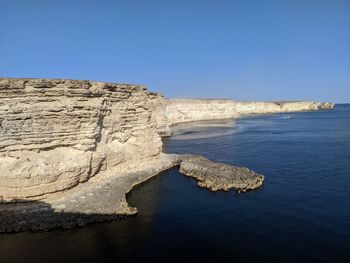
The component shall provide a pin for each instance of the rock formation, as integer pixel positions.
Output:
(174, 111)
(55, 134)
(280, 107)
(102, 198)
(74, 148)
(325, 106)
(220, 176)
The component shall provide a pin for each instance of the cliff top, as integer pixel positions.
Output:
(61, 80)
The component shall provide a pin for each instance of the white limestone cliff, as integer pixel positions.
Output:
(56, 134)
(75, 148)
(280, 107)
(187, 110)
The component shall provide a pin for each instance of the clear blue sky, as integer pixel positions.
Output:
(245, 50)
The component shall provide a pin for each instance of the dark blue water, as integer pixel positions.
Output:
(301, 214)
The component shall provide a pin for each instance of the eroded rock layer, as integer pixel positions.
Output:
(174, 111)
(55, 134)
(187, 110)
(280, 107)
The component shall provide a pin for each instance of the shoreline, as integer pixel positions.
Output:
(104, 198)
(70, 150)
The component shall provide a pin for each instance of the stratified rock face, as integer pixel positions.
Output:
(280, 107)
(55, 134)
(158, 106)
(186, 110)
(219, 176)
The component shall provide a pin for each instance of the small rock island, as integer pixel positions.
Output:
(70, 150)
(220, 176)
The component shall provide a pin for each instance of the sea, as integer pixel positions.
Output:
(300, 214)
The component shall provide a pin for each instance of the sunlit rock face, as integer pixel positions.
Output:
(186, 110)
(159, 117)
(280, 107)
(55, 134)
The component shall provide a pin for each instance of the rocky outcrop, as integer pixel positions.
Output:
(326, 106)
(220, 176)
(55, 134)
(102, 198)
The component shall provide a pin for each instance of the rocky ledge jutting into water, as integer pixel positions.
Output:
(70, 150)
(220, 176)
(102, 198)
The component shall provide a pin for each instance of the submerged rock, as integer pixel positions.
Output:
(220, 176)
